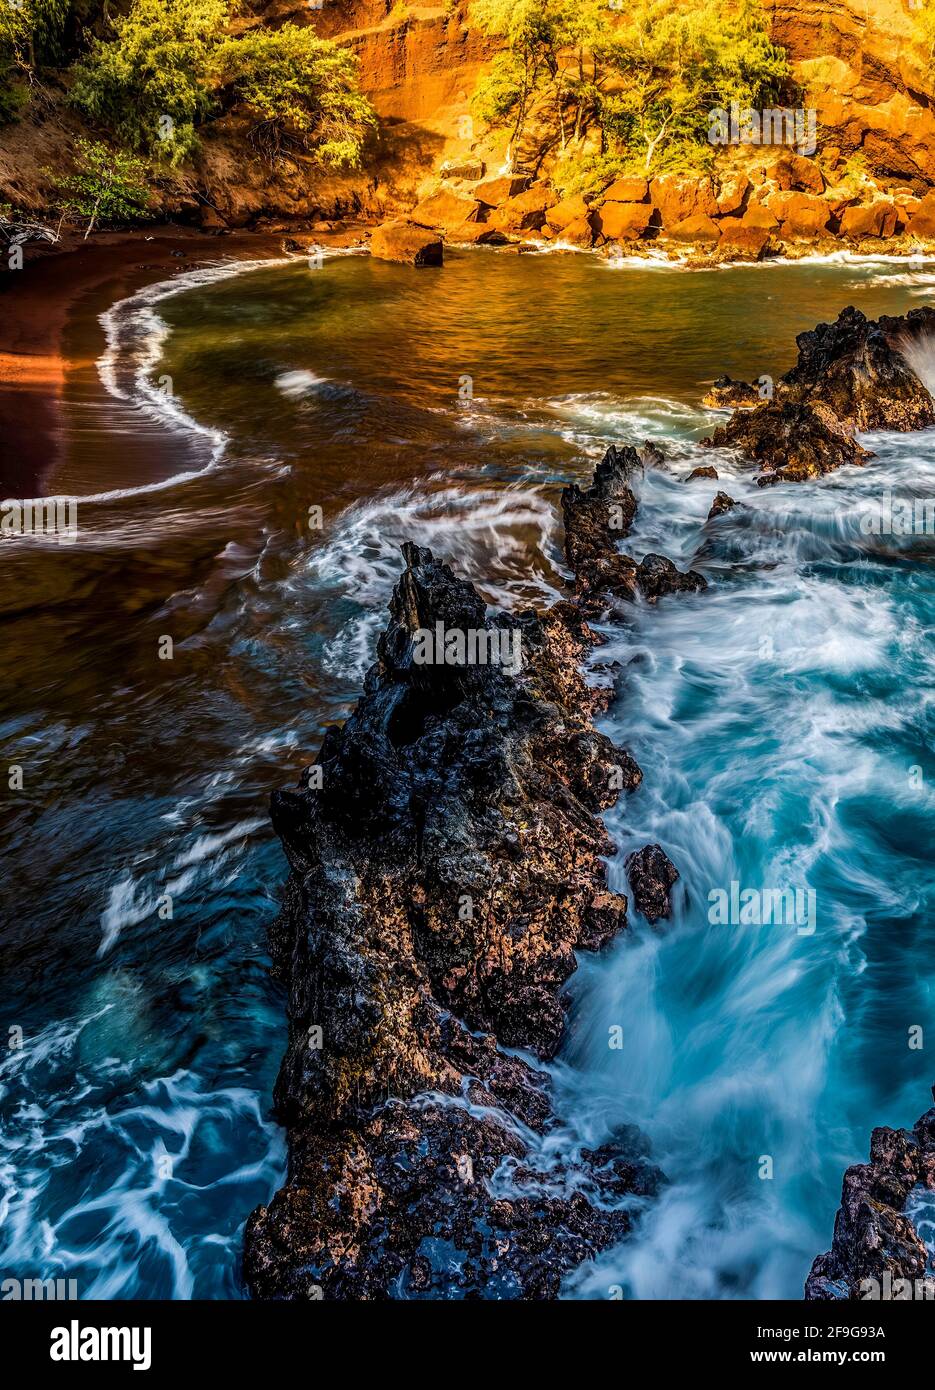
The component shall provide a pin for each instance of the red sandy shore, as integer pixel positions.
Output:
(35, 305)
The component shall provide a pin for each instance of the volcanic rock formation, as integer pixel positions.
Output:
(447, 860)
(874, 1240)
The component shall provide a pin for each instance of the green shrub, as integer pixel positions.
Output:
(172, 63)
(297, 88)
(149, 84)
(107, 186)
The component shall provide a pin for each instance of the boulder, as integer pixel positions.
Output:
(800, 214)
(698, 227)
(921, 223)
(731, 195)
(568, 210)
(740, 243)
(651, 874)
(657, 576)
(476, 234)
(578, 233)
(623, 221)
(526, 212)
(760, 218)
(492, 192)
(704, 471)
(678, 197)
(794, 171)
(470, 169)
(402, 241)
(627, 190)
(443, 209)
(877, 220)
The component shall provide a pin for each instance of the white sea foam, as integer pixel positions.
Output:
(298, 383)
(136, 336)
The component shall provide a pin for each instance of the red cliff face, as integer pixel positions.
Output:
(866, 71)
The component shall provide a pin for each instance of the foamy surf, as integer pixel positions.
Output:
(136, 336)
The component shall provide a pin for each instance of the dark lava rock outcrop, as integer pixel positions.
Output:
(728, 394)
(597, 518)
(722, 503)
(875, 1243)
(651, 874)
(856, 368)
(447, 861)
(855, 374)
(791, 441)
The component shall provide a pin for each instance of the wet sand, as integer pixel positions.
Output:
(36, 305)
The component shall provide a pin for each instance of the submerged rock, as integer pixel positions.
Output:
(722, 503)
(651, 874)
(447, 861)
(729, 394)
(875, 1243)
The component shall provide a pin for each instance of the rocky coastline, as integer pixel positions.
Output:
(447, 859)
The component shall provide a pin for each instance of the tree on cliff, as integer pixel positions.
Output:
(170, 64)
(675, 61)
(644, 73)
(297, 88)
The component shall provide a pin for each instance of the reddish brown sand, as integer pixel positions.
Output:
(35, 305)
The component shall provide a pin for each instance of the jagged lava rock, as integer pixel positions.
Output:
(873, 1237)
(791, 441)
(857, 368)
(651, 874)
(447, 860)
(726, 393)
(597, 517)
(722, 503)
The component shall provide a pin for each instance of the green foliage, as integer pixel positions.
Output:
(149, 84)
(677, 62)
(297, 87)
(31, 31)
(31, 36)
(644, 74)
(172, 63)
(107, 186)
